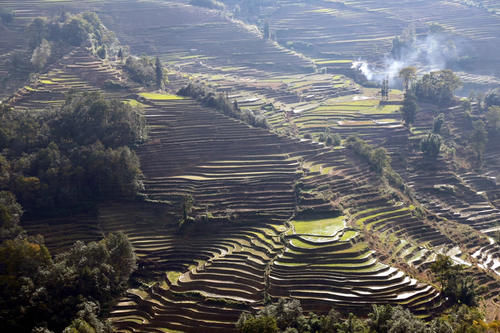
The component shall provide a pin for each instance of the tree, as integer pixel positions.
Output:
(259, 324)
(20, 263)
(10, 215)
(459, 288)
(141, 70)
(89, 117)
(187, 207)
(493, 119)
(86, 320)
(408, 75)
(431, 145)
(402, 321)
(76, 31)
(37, 31)
(438, 123)
(409, 108)
(41, 55)
(384, 90)
(380, 159)
(159, 74)
(101, 52)
(351, 325)
(479, 138)
(492, 97)
(267, 33)
(330, 322)
(378, 319)
(440, 325)
(122, 257)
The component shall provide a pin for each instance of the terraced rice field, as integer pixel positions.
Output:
(364, 29)
(79, 71)
(337, 270)
(254, 191)
(202, 153)
(244, 255)
(198, 40)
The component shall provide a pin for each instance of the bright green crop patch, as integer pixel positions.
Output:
(173, 276)
(348, 235)
(323, 227)
(160, 97)
(363, 219)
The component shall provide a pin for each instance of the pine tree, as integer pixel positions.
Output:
(159, 74)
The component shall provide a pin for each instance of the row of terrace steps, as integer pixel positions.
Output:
(171, 30)
(224, 164)
(344, 274)
(160, 308)
(78, 70)
(354, 186)
(239, 275)
(61, 233)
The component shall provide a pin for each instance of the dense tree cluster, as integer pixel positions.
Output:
(74, 30)
(147, 71)
(438, 87)
(38, 290)
(222, 104)
(49, 39)
(68, 159)
(287, 316)
(455, 284)
(492, 97)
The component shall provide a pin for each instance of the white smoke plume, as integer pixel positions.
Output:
(427, 54)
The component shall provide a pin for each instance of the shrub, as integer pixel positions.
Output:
(438, 123)
(431, 145)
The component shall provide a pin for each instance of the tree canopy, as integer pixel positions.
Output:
(38, 290)
(67, 159)
(438, 87)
